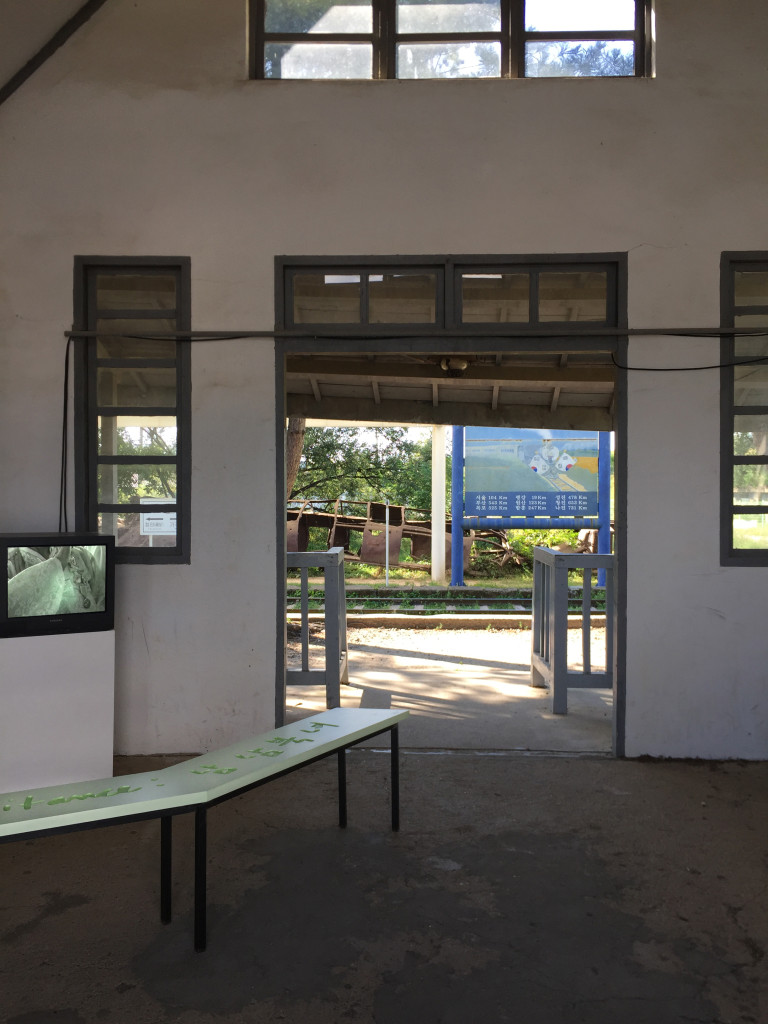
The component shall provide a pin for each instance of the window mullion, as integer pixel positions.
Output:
(384, 43)
(516, 16)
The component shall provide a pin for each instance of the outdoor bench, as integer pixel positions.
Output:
(197, 784)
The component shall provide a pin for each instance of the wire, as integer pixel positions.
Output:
(63, 516)
(685, 369)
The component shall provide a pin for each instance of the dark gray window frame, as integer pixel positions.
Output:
(512, 36)
(87, 411)
(448, 306)
(470, 338)
(729, 264)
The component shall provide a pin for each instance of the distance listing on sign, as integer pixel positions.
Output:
(530, 472)
(157, 524)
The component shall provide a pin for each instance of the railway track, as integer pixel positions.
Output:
(422, 601)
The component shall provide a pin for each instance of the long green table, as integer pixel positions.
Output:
(200, 783)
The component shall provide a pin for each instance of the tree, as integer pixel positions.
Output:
(575, 60)
(366, 464)
(294, 443)
(347, 462)
(156, 480)
(414, 482)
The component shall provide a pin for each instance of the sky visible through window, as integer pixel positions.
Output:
(571, 16)
(427, 57)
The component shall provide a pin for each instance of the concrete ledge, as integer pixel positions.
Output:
(480, 620)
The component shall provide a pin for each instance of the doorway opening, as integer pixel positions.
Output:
(465, 688)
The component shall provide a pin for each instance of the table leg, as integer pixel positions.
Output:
(395, 758)
(200, 878)
(166, 861)
(342, 788)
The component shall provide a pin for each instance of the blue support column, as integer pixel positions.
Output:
(457, 507)
(603, 500)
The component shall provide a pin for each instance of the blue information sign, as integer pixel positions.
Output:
(530, 472)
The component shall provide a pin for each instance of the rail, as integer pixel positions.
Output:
(336, 667)
(549, 628)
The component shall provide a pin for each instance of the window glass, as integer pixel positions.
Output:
(464, 59)
(588, 58)
(125, 344)
(135, 291)
(744, 472)
(137, 435)
(751, 287)
(136, 394)
(751, 320)
(431, 16)
(750, 531)
(147, 529)
(572, 296)
(136, 388)
(750, 434)
(750, 385)
(318, 16)
(411, 38)
(318, 60)
(579, 15)
(127, 484)
(750, 381)
(750, 484)
(326, 298)
(495, 298)
(751, 347)
(402, 298)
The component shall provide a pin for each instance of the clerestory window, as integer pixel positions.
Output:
(430, 294)
(133, 404)
(744, 396)
(416, 39)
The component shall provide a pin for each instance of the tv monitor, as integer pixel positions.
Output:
(57, 583)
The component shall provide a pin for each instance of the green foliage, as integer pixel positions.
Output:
(366, 465)
(513, 557)
(575, 60)
(155, 481)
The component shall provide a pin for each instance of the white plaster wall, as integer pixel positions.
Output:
(696, 652)
(143, 137)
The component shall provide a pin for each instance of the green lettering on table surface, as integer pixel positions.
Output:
(258, 752)
(30, 801)
(317, 726)
(119, 791)
(283, 741)
(206, 768)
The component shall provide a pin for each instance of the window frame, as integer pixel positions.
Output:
(730, 264)
(87, 410)
(512, 37)
(448, 303)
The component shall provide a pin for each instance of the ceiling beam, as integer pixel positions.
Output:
(467, 413)
(490, 375)
(57, 40)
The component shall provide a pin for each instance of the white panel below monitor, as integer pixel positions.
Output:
(57, 698)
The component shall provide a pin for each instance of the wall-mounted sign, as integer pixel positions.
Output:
(157, 524)
(530, 472)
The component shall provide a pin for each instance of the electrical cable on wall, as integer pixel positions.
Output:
(214, 336)
(63, 517)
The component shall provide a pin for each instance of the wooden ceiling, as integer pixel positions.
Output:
(569, 391)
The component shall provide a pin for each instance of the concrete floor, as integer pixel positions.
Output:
(535, 889)
(465, 689)
(559, 887)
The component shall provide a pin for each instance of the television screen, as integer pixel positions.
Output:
(57, 583)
